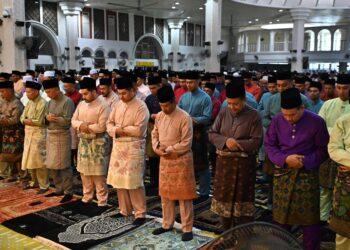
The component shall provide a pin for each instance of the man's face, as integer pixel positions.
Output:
(314, 93)
(2, 79)
(168, 107)
(209, 91)
(154, 88)
(212, 80)
(300, 87)
(105, 90)
(343, 91)
(272, 88)
(126, 94)
(32, 94)
(292, 115)
(282, 85)
(192, 85)
(68, 88)
(236, 104)
(88, 96)
(6, 94)
(94, 76)
(182, 83)
(328, 89)
(15, 77)
(52, 92)
(114, 74)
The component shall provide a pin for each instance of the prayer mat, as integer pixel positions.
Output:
(142, 238)
(199, 205)
(15, 202)
(11, 240)
(74, 225)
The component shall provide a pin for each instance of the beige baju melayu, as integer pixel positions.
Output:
(127, 165)
(58, 152)
(174, 132)
(112, 99)
(34, 152)
(93, 149)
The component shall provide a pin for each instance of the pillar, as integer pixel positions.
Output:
(258, 42)
(72, 10)
(272, 41)
(286, 40)
(299, 16)
(175, 25)
(213, 34)
(11, 55)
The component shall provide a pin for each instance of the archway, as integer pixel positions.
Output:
(50, 52)
(148, 51)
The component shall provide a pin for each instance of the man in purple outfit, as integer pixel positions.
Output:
(296, 142)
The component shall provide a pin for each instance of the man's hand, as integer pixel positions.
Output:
(153, 116)
(28, 122)
(172, 155)
(295, 161)
(84, 127)
(344, 168)
(52, 118)
(120, 132)
(233, 145)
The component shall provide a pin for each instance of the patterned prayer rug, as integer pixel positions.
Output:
(74, 225)
(11, 240)
(15, 202)
(142, 238)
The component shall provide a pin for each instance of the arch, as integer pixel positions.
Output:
(324, 38)
(124, 55)
(99, 53)
(279, 41)
(339, 39)
(158, 44)
(51, 35)
(87, 52)
(309, 40)
(112, 54)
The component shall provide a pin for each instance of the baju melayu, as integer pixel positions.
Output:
(339, 151)
(12, 137)
(235, 170)
(296, 191)
(198, 105)
(254, 89)
(153, 159)
(315, 106)
(176, 181)
(178, 93)
(34, 152)
(93, 149)
(112, 99)
(58, 144)
(330, 112)
(127, 164)
(249, 99)
(144, 89)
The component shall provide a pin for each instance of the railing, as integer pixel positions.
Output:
(264, 47)
(279, 46)
(251, 47)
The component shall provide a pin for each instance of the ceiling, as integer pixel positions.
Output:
(236, 13)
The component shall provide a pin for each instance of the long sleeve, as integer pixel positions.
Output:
(271, 143)
(100, 126)
(111, 124)
(39, 117)
(215, 137)
(140, 125)
(155, 135)
(75, 121)
(65, 119)
(256, 133)
(185, 142)
(15, 114)
(266, 115)
(338, 146)
(320, 154)
(204, 118)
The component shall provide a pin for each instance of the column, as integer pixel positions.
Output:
(272, 41)
(347, 42)
(299, 16)
(72, 9)
(258, 43)
(286, 40)
(213, 34)
(233, 47)
(11, 55)
(175, 25)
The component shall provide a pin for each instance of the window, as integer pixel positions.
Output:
(309, 40)
(339, 40)
(111, 25)
(86, 23)
(123, 26)
(112, 54)
(324, 40)
(190, 34)
(138, 27)
(86, 53)
(99, 24)
(183, 34)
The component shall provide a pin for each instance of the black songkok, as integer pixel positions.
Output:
(124, 83)
(87, 83)
(33, 85)
(290, 98)
(343, 79)
(6, 85)
(106, 81)
(235, 89)
(52, 83)
(154, 80)
(165, 94)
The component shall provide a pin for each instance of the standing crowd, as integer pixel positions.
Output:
(186, 128)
